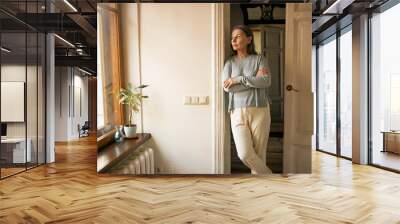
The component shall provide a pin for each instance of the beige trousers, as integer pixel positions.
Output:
(250, 129)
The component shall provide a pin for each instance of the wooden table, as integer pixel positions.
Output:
(115, 152)
(391, 141)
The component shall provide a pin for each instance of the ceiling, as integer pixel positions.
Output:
(74, 22)
(332, 15)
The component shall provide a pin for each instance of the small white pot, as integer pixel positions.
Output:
(130, 131)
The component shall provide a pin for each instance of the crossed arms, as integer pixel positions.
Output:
(241, 82)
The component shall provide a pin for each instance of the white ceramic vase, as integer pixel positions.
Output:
(130, 131)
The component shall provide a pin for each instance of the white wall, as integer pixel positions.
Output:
(61, 103)
(66, 121)
(176, 62)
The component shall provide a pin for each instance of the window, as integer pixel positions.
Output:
(346, 93)
(327, 96)
(385, 86)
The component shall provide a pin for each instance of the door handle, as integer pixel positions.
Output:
(290, 88)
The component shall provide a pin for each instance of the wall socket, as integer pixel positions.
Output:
(195, 100)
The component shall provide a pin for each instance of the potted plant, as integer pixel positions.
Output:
(132, 98)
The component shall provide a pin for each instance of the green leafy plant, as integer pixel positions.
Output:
(132, 98)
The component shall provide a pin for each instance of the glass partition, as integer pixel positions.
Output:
(14, 153)
(22, 77)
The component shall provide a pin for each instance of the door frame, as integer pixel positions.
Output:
(220, 119)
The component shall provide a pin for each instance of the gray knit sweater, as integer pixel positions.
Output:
(250, 90)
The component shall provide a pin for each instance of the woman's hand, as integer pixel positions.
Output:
(228, 83)
(262, 72)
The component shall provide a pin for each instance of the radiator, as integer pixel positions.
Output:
(140, 162)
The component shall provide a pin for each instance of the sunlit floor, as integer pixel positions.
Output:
(386, 159)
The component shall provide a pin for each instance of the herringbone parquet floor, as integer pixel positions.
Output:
(70, 191)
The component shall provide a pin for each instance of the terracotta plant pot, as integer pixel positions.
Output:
(130, 131)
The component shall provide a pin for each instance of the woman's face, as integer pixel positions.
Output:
(239, 40)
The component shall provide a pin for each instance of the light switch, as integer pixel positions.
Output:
(203, 100)
(187, 100)
(195, 100)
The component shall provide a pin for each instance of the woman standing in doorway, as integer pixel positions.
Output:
(246, 77)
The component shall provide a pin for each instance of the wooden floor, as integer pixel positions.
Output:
(387, 159)
(70, 191)
(5, 172)
(10, 171)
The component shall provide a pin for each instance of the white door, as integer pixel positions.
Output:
(298, 97)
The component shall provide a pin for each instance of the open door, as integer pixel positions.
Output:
(298, 96)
